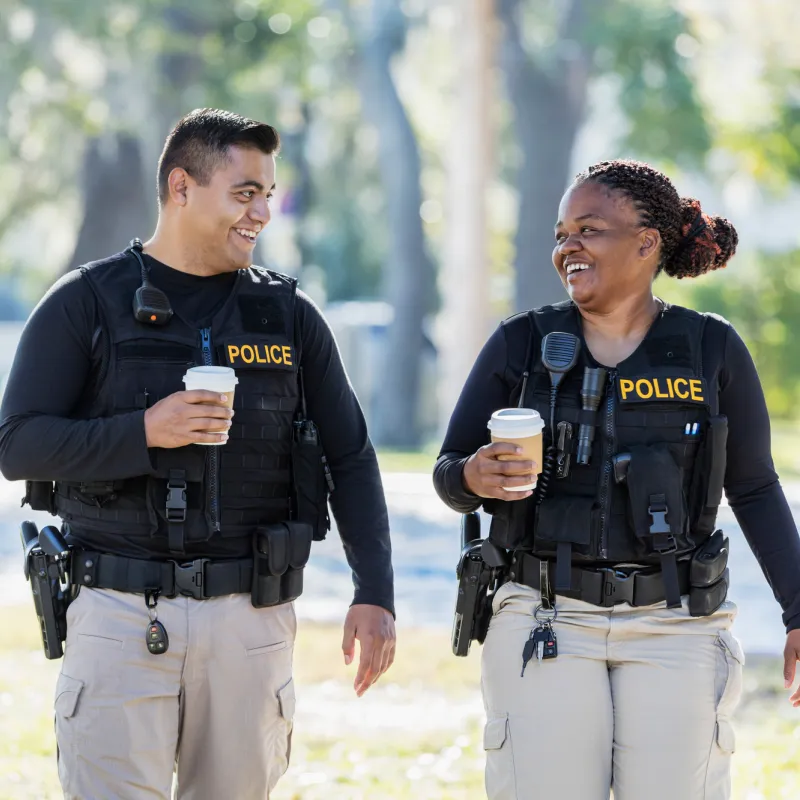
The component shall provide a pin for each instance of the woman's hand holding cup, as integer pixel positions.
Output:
(507, 469)
(485, 475)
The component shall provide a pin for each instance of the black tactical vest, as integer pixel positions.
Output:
(660, 408)
(230, 489)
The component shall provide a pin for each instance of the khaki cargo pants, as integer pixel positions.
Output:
(638, 700)
(217, 706)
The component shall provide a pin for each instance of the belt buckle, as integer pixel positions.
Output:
(190, 578)
(617, 587)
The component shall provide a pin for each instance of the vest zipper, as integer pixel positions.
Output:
(608, 453)
(213, 455)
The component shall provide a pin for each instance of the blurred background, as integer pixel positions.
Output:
(426, 144)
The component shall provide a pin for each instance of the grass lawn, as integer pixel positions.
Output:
(415, 736)
(408, 460)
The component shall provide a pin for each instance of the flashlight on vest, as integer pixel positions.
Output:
(594, 381)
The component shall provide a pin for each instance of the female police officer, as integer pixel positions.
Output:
(637, 674)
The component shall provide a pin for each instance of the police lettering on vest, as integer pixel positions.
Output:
(651, 389)
(259, 355)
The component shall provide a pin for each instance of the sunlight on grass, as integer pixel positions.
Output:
(409, 460)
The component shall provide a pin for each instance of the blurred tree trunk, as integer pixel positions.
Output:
(115, 200)
(549, 105)
(180, 67)
(118, 203)
(294, 142)
(463, 324)
(409, 274)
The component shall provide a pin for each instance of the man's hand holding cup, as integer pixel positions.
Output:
(200, 415)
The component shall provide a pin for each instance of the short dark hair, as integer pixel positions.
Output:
(692, 243)
(199, 144)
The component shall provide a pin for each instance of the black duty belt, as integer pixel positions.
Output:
(201, 578)
(604, 587)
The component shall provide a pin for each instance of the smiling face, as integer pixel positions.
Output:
(223, 219)
(603, 254)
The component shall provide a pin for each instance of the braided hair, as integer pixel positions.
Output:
(692, 243)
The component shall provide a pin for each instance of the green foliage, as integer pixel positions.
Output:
(761, 298)
(78, 70)
(768, 147)
(636, 44)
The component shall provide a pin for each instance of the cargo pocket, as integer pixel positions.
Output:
(501, 782)
(68, 692)
(728, 687)
(67, 703)
(729, 683)
(286, 705)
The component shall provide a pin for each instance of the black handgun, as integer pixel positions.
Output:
(47, 564)
(477, 572)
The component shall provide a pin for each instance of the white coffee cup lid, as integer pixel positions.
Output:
(215, 379)
(516, 423)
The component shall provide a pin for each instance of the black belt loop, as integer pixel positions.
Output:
(84, 568)
(548, 598)
(563, 566)
(176, 510)
(669, 572)
(665, 545)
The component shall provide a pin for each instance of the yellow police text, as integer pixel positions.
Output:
(260, 354)
(662, 389)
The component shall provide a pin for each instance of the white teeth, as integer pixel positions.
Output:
(576, 268)
(249, 234)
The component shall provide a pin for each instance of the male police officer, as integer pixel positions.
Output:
(209, 542)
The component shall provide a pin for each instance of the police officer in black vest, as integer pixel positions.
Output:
(609, 661)
(188, 557)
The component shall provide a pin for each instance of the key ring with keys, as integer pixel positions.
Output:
(548, 615)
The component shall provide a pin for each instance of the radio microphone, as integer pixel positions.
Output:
(559, 355)
(150, 304)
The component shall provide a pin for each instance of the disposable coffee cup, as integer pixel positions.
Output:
(523, 427)
(213, 379)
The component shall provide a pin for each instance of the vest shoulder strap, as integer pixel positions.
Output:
(715, 336)
(272, 275)
(287, 286)
(557, 317)
(526, 364)
(111, 274)
(712, 332)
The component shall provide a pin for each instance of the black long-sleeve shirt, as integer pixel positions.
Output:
(40, 441)
(751, 483)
